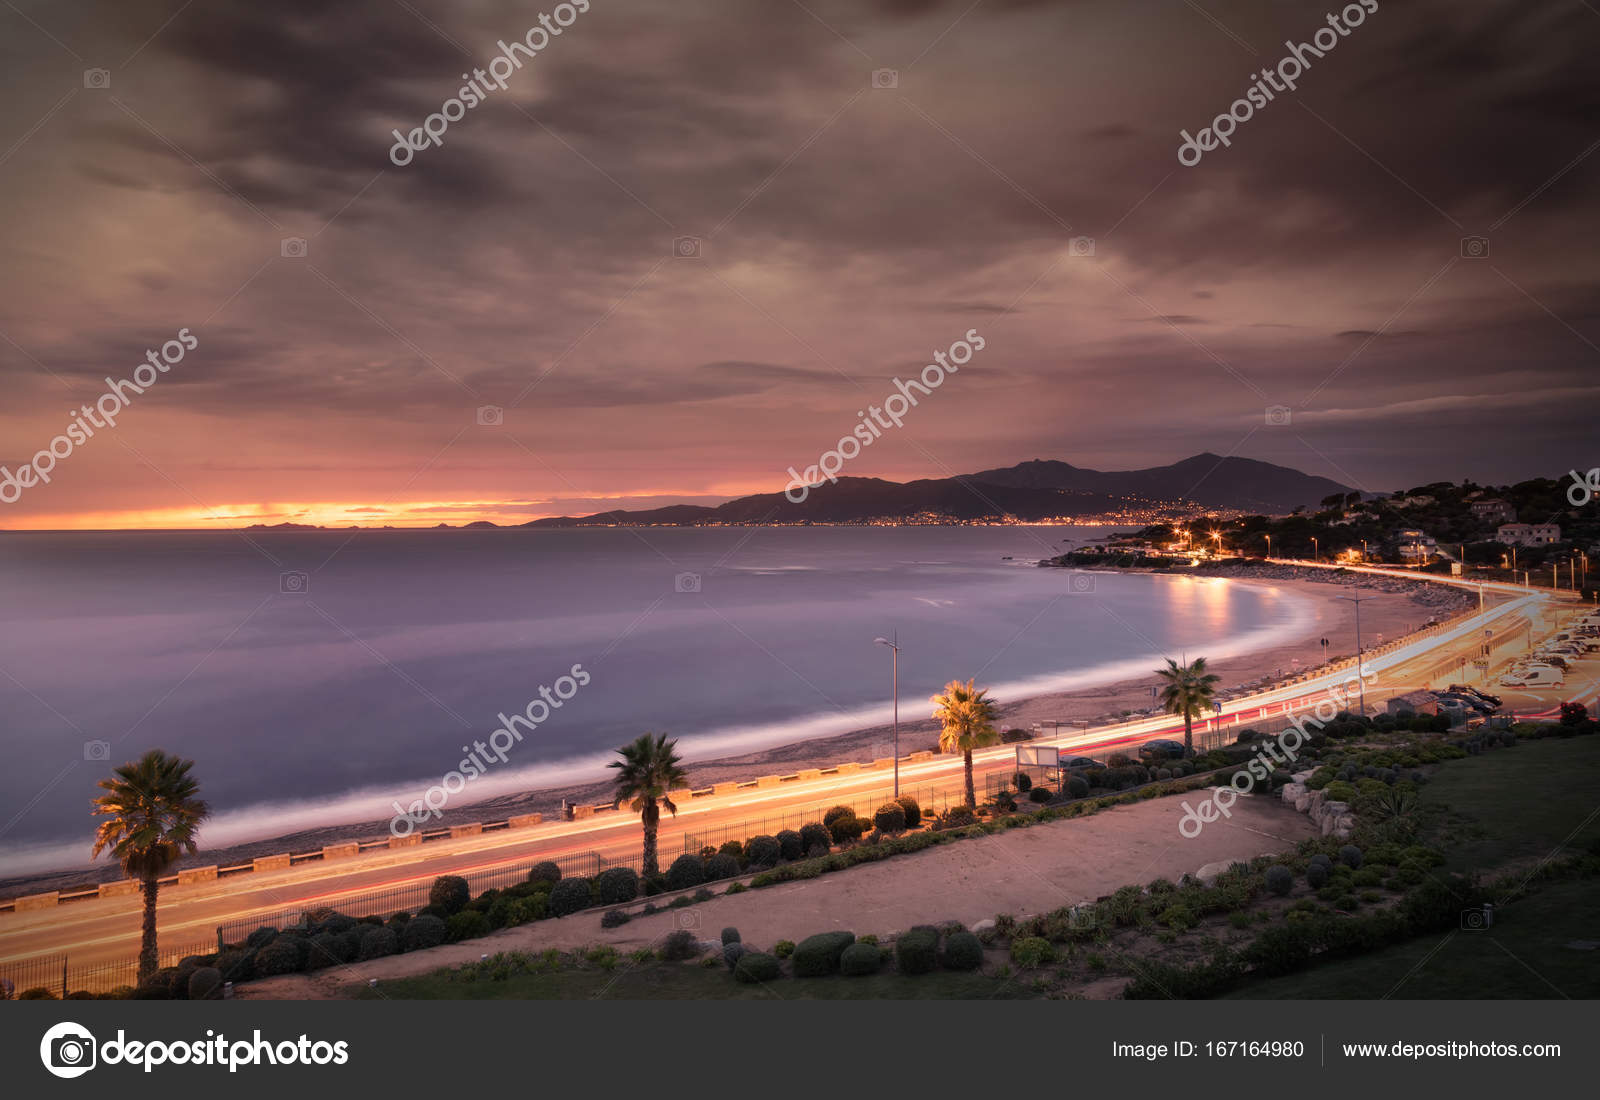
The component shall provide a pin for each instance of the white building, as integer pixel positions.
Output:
(1528, 534)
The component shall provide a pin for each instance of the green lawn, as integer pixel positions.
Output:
(689, 981)
(1522, 802)
(1525, 955)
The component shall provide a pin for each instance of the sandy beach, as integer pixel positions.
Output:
(1399, 606)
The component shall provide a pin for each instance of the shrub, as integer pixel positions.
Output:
(239, 965)
(790, 844)
(679, 945)
(547, 871)
(205, 984)
(764, 851)
(732, 953)
(1013, 735)
(468, 924)
(686, 871)
(321, 950)
(284, 955)
(449, 893)
(845, 829)
(860, 959)
(1077, 787)
(912, 810)
(838, 813)
(423, 932)
(530, 909)
(732, 848)
(569, 896)
(1280, 880)
(757, 966)
(614, 918)
(817, 956)
(376, 942)
(1039, 794)
(962, 951)
(721, 866)
(890, 818)
(1350, 855)
(1317, 875)
(1023, 782)
(957, 817)
(616, 885)
(1030, 952)
(917, 951)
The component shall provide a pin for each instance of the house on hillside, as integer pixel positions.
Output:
(1413, 545)
(1528, 534)
(1494, 511)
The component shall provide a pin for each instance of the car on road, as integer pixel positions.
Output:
(1160, 749)
(1535, 676)
(1463, 689)
(1080, 762)
(1466, 702)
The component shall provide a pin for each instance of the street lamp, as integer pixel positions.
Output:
(1316, 551)
(1358, 601)
(894, 645)
(1269, 547)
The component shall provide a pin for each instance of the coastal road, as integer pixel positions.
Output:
(107, 929)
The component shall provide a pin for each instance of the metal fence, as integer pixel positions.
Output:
(57, 975)
(414, 896)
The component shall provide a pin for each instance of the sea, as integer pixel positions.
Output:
(318, 677)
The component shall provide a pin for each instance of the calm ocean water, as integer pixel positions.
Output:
(319, 706)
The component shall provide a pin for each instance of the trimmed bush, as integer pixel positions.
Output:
(1023, 782)
(815, 835)
(1350, 856)
(1077, 787)
(721, 866)
(730, 935)
(860, 959)
(783, 948)
(1280, 880)
(1317, 875)
(679, 945)
(617, 885)
(376, 942)
(449, 893)
(614, 918)
(468, 924)
(913, 811)
(845, 829)
(545, 872)
(732, 953)
(205, 984)
(1013, 735)
(1030, 952)
(570, 895)
(917, 951)
(731, 848)
(890, 818)
(962, 951)
(837, 813)
(764, 851)
(423, 932)
(686, 871)
(284, 955)
(239, 966)
(817, 956)
(322, 950)
(790, 844)
(757, 966)
(959, 816)
(1039, 794)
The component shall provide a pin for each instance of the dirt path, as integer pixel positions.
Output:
(1022, 871)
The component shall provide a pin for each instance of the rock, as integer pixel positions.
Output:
(1210, 871)
(983, 926)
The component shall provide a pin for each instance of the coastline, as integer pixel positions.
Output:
(1399, 606)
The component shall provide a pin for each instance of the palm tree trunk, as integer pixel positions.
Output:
(149, 957)
(1188, 735)
(972, 797)
(649, 861)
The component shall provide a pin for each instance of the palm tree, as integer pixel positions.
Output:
(967, 717)
(153, 817)
(649, 768)
(1188, 692)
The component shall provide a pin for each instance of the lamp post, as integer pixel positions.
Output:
(894, 645)
(1316, 550)
(1358, 601)
(1269, 547)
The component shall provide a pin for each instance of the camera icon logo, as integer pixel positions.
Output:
(686, 919)
(1082, 917)
(293, 583)
(686, 248)
(1474, 248)
(886, 78)
(1477, 920)
(1081, 582)
(68, 1050)
(491, 416)
(97, 78)
(1080, 246)
(293, 248)
(1277, 416)
(97, 750)
(686, 582)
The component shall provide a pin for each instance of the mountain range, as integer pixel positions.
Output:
(1032, 491)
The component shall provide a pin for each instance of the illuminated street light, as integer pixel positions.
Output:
(896, 674)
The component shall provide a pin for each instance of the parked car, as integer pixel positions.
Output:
(1534, 676)
(1160, 749)
(1080, 762)
(1476, 706)
(1463, 689)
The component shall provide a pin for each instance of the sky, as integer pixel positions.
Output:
(686, 244)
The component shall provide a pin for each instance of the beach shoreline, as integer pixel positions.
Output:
(1398, 607)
